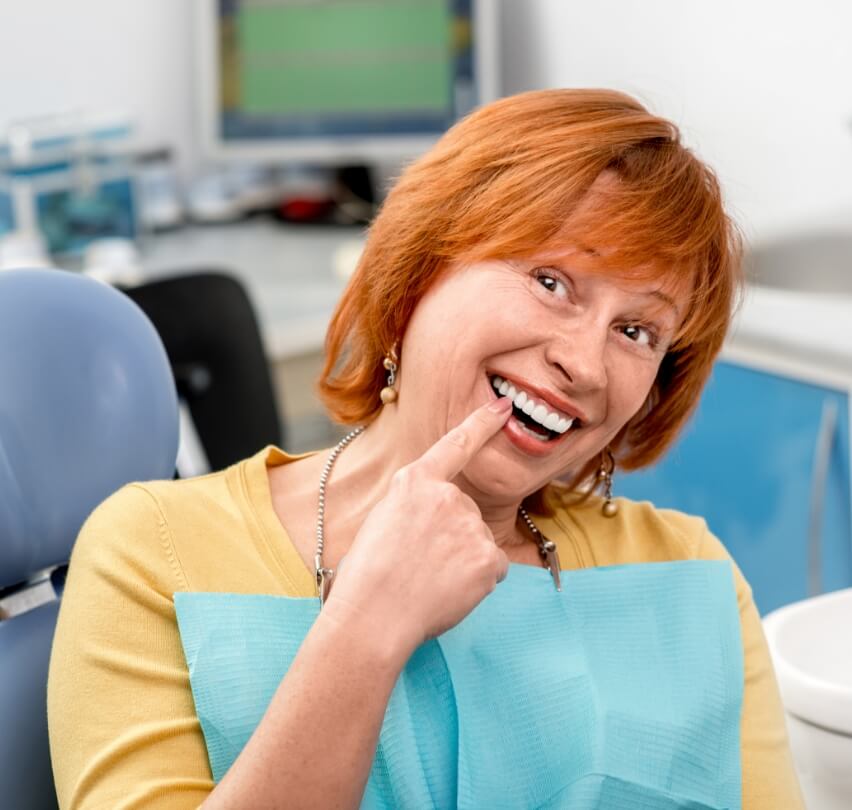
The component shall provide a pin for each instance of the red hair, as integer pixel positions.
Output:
(504, 183)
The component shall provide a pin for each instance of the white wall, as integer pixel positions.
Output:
(128, 55)
(762, 89)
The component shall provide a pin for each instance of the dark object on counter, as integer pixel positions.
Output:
(346, 196)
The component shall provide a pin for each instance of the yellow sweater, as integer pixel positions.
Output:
(123, 728)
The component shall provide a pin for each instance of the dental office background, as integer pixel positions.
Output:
(761, 89)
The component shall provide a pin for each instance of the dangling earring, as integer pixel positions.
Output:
(610, 507)
(391, 363)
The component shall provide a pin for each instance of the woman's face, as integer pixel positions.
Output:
(579, 349)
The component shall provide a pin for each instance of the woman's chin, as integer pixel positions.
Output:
(500, 478)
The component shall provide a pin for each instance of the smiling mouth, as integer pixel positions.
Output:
(534, 417)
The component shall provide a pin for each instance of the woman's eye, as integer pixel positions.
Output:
(640, 335)
(552, 283)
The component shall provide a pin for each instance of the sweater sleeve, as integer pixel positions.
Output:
(769, 778)
(123, 728)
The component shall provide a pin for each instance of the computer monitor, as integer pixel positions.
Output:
(339, 82)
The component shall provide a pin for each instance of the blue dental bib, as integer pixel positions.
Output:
(622, 691)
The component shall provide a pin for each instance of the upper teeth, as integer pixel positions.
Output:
(535, 409)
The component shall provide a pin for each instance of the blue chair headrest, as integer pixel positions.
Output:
(87, 404)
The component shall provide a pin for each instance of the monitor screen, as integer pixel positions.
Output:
(341, 80)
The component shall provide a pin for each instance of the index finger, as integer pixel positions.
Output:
(448, 456)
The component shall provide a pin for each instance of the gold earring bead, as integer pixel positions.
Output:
(388, 393)
(610, 507)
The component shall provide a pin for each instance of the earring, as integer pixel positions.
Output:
(391, 363)
(610, 507)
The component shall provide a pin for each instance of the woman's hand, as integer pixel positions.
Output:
(423, 558)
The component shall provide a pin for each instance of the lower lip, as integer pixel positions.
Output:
(523, 441)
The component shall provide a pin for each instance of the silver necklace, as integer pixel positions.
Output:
(546, 548)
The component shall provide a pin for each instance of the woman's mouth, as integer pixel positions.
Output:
(534, 417)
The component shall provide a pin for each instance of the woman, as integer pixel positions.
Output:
(541, 298)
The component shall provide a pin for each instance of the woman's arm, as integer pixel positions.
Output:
(123, 727)
(124, 732)
(316, 743)
(421, 562)
(769, 778)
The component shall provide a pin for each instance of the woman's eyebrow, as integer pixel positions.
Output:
(665, 298)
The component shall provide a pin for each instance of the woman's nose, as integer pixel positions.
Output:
(581, 357)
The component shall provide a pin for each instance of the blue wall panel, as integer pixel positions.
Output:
(745, 463)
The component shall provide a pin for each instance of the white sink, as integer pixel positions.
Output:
(811, 646)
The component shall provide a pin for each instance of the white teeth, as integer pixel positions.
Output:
(539, 436)
(552, 420)
(539, 414)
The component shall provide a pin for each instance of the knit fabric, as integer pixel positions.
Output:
(123, 725)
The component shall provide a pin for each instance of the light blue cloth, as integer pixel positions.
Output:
(622, 692)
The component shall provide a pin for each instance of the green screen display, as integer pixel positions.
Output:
(365, 56)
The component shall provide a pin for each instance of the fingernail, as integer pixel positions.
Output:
(501, 405)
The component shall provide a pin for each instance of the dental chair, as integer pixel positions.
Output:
(87, 404)
(211, 334)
